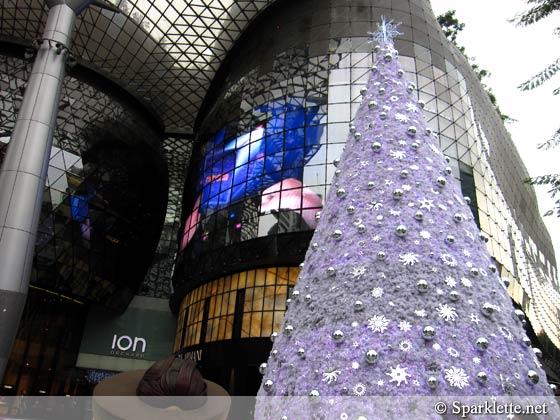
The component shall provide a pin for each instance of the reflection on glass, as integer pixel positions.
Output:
(267, 161)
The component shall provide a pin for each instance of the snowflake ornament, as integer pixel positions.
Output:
(398, 375)
(359, 389)
(408, 259)
(448, 313)
(377, 292)
(405, 346)
(450, 281)
(397, 154)
(385, 32)
(426, 204)
(331, 376)
(448, 259)
(466, 282)
(410, 107)
(405, 326)
(424, 234)
(358, 271)
(456, 377)
(401, 117)
(420, 313)
(474, 318)
(452, 352)
(378, 323)
(476, 360)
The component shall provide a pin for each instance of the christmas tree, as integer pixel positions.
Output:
(398, 295)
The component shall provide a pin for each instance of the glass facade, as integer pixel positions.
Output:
(266, 89)
(243, 305)
(303, 82)
(105, 194)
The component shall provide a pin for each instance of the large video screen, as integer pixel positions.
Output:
(264, 165)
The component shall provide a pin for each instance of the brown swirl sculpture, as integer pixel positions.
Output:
(171, 389)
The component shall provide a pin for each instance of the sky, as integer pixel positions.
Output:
(512, 55)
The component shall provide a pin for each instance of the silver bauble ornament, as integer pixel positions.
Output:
(372, 105)
(268, 385)
(538, 352)
(505, 280)
(295, 294)
(331, 271)
(374, 69)
(411, 130)
(450, 239)
(314, 246)
(338, 336)
(448, 170)
(441, 181)
(404, 173)
(553, 388)
(262, 368)
(371, 185)
(422, 104)
(358, 306)
(350, 209)
(422, 286)
(288, 330)
(337, 234)
(361, 228)
(467, 200)
(376, 49)
(398, 194)
(428, 333)
(492, 268)
(432, 382)
(274, 354)
(411, 87)
(526, 340)
(388, 57)
(357, 136)
(288, 302)
(337, 172)
(376, 146)
(314, 394)
(336, 162)
(363, 90)
(381, 255)
(487, 309)
(301, 353)
(414, 146)
(475, 271)
(400, 72)
(372, 356)
(482, 377)
(341, 192)
(454, 295)
(307, 298)
(429, 131)
(352, 128)
(382, 91)
(401, 230)
(482, 343)
(457, 217)
(383, 115)
(273, 336)
(317, 216)
(519, 314)
(419, 216)
(533, 377)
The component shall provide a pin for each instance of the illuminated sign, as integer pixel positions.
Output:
(125, 345)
